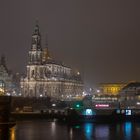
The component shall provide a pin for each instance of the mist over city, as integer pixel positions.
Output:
(99, 39)
(69, 70)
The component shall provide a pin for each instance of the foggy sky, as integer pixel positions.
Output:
(100, 38)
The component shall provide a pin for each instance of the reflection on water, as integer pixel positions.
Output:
(102, 132)
(71, 133)
(12, 136)
(77, 126)
(88, 130)
(7, 133)
(41, 130)
(128, 130)
(53, 127)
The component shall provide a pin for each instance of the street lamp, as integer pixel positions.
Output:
(41, 95)
(53, 105)
(98, 91)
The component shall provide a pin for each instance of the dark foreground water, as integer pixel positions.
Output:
(52, 130)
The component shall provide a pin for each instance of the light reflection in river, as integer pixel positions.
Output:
(13, 135)
(102, 132)
(53, 127)
(88, 129)
(128, 130)
(71, 133)
(53, 130)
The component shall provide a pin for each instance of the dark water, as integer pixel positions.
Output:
(52, 130)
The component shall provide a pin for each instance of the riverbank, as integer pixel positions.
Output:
(73, 116)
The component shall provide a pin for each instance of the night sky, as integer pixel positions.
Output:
(100, 38)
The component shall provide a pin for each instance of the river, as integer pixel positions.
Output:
(53, 130)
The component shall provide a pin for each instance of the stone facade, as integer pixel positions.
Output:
(47, 77)
(111, 88)
(130, 95)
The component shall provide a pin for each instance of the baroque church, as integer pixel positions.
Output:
(45, 77)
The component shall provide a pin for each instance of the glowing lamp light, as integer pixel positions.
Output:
(118, 111)
(102, 105)
(41, 95)
(98, 91)
(138, 103)
(53, 105)
(88, 112)
(8, 94)
(77, 105)
(78, 73)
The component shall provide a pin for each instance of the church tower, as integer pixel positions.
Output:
(46, 77)
(35, 54)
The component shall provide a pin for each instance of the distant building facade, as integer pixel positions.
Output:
(111, 88)
(130, 95)
(47, 77)
(5, 78)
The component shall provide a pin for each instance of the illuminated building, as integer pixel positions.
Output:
(111, 88)
(108, 93)
(2, 87)
(5, 78)
(47, 77)
(130, 95)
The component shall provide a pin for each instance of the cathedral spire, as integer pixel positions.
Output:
(36, 29)
(35, 54)
(36, 38)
